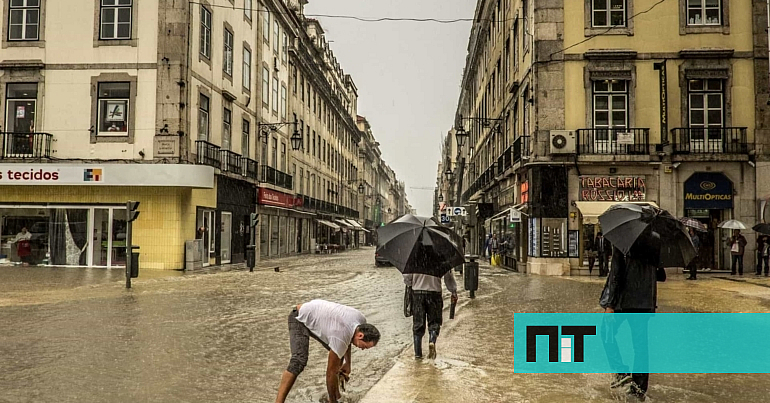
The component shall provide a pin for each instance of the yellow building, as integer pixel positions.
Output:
(601, 102)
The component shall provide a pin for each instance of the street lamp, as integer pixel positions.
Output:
(361, 188)
(461, 135)
(448, 174)
(296, 140)
(266, 128)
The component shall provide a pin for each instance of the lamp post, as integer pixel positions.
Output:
(296, 138)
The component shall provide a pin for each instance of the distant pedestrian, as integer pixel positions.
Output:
(693, 266)
(591, 254)
(604, 251)
(737, 247)
(632, 288)
(494, 247)
(336, 327)
(427, 303)
(486, 245)
(763, 254)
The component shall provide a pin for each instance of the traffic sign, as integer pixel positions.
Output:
(457, 211)
(444, 219)
(514, 216)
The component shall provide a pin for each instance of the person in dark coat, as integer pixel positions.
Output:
(591, 252)
(694, 263)
(737, 248)
(632, 288)
(603, 249)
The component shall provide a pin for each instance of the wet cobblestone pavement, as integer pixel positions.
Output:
(76, 335)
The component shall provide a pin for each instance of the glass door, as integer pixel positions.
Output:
(226, 237)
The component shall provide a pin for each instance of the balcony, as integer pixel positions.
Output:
(618, 141)
(208, 154)
(25, 145)
(520, 148)
(250, 168)
(504, 161)
(231, 162)
(712, 140)
(275, 177)
(325, 207)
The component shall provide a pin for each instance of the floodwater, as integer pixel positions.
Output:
(72, 335)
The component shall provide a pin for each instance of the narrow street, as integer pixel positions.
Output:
(220, 336)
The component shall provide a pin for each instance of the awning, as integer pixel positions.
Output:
(592, 210)
(501, 215)
(342, 223)
(329, 224)
(356, 225)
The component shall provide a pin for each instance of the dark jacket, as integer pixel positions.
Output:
(632, 282)
(607, 246)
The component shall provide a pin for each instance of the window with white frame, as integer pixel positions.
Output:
(265, 87)
(115, 19)
(610, 111)
(113, 103)
(704, 12)
(227, 64)
(266, 25)
(245, 134)
(227, 117)
(706, 108)
(285, 48)
(283, 102)
(247, 8)
(247, 69)
(608, 13)
(283, 157)
(275, 95)
(276, 36)
(203, 118)
(24, 20)
(205, 46)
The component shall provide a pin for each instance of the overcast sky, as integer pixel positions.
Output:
(408, 77)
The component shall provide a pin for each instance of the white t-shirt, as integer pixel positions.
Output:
(332, 323)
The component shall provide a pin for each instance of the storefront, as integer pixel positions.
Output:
(327, 235)
(283, 230)
(236, 200)
(75, 213)
(507, 226)
(708, 198)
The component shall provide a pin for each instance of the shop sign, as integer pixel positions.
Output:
(613, 188)
(176, 175)
(525, 192)
(514, 215)
(708, 190)
(270, 197)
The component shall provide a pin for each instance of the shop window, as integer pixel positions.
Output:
(24, 20)
(282, 235)
(274, 235)
(115, 19)
(264, 226)
(203, 118)
(113, 103)
(207, 230)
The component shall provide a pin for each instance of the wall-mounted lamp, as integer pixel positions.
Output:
(676, 165)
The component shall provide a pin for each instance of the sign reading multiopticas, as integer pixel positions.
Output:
(183, 175)
(708, 190)
(613, 188)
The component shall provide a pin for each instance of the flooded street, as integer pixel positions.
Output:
(78, 335)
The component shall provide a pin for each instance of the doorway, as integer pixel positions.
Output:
(711, 255)
(226, 237)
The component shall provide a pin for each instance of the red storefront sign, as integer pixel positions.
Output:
(612, 188)
(272, 198)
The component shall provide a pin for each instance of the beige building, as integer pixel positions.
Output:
(574, 106)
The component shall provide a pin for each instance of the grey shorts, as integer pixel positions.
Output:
(299, 342)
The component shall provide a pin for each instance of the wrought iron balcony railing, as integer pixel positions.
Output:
(616, 141)
(208, 154)
(231, 162)
(520, 148)
(711, 140)
(275, 177)
(250, 168)
(25, 145)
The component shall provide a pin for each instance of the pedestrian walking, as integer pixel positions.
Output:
(427, 307)
(693, 266)
(486, 246)
(604, 251)
(591, 253)
(336, 327)
(494, 247)
(737, 247)
(763, 254)
(632, 288)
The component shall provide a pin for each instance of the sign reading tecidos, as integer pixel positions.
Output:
(609, 343)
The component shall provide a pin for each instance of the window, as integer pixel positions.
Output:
(245, 133)
(266, 26)
(247, 9)
(610, 111)
(276, 32)
(24, 20)
(265, 87)
(283, 157)
(20, 108)
(205, 32)
(294, 79)
(323, 151)
(704, 12)
(227, 63)
(301, 180)
(247, 69)
(274, 161)
(275, 95)
(285, 48)
(283, 102)
(607, 13)
(308, 131)
(203, 118)
(227, 117)
(706, 111)
(115, 19)
(302, 88)
(113, 108)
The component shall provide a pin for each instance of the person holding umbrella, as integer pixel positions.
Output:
(604, 251)
(763, 254)
(737, 248)
(428, 303)
(694, 263)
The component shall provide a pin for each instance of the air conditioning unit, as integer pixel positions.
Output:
(563, 142)
(275, 63)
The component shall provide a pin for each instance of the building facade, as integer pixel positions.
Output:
(572, 107)
(188, 108)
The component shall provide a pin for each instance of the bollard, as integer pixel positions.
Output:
(471, 277)
(251, 256)
(134, 264)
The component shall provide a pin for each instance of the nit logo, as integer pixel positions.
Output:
(578, 332)
(92, 175)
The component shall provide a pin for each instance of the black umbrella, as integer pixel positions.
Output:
(420, 245)
(644, 227)
(763, 228)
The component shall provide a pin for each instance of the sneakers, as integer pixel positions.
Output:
(431, 351)
(620, 380)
